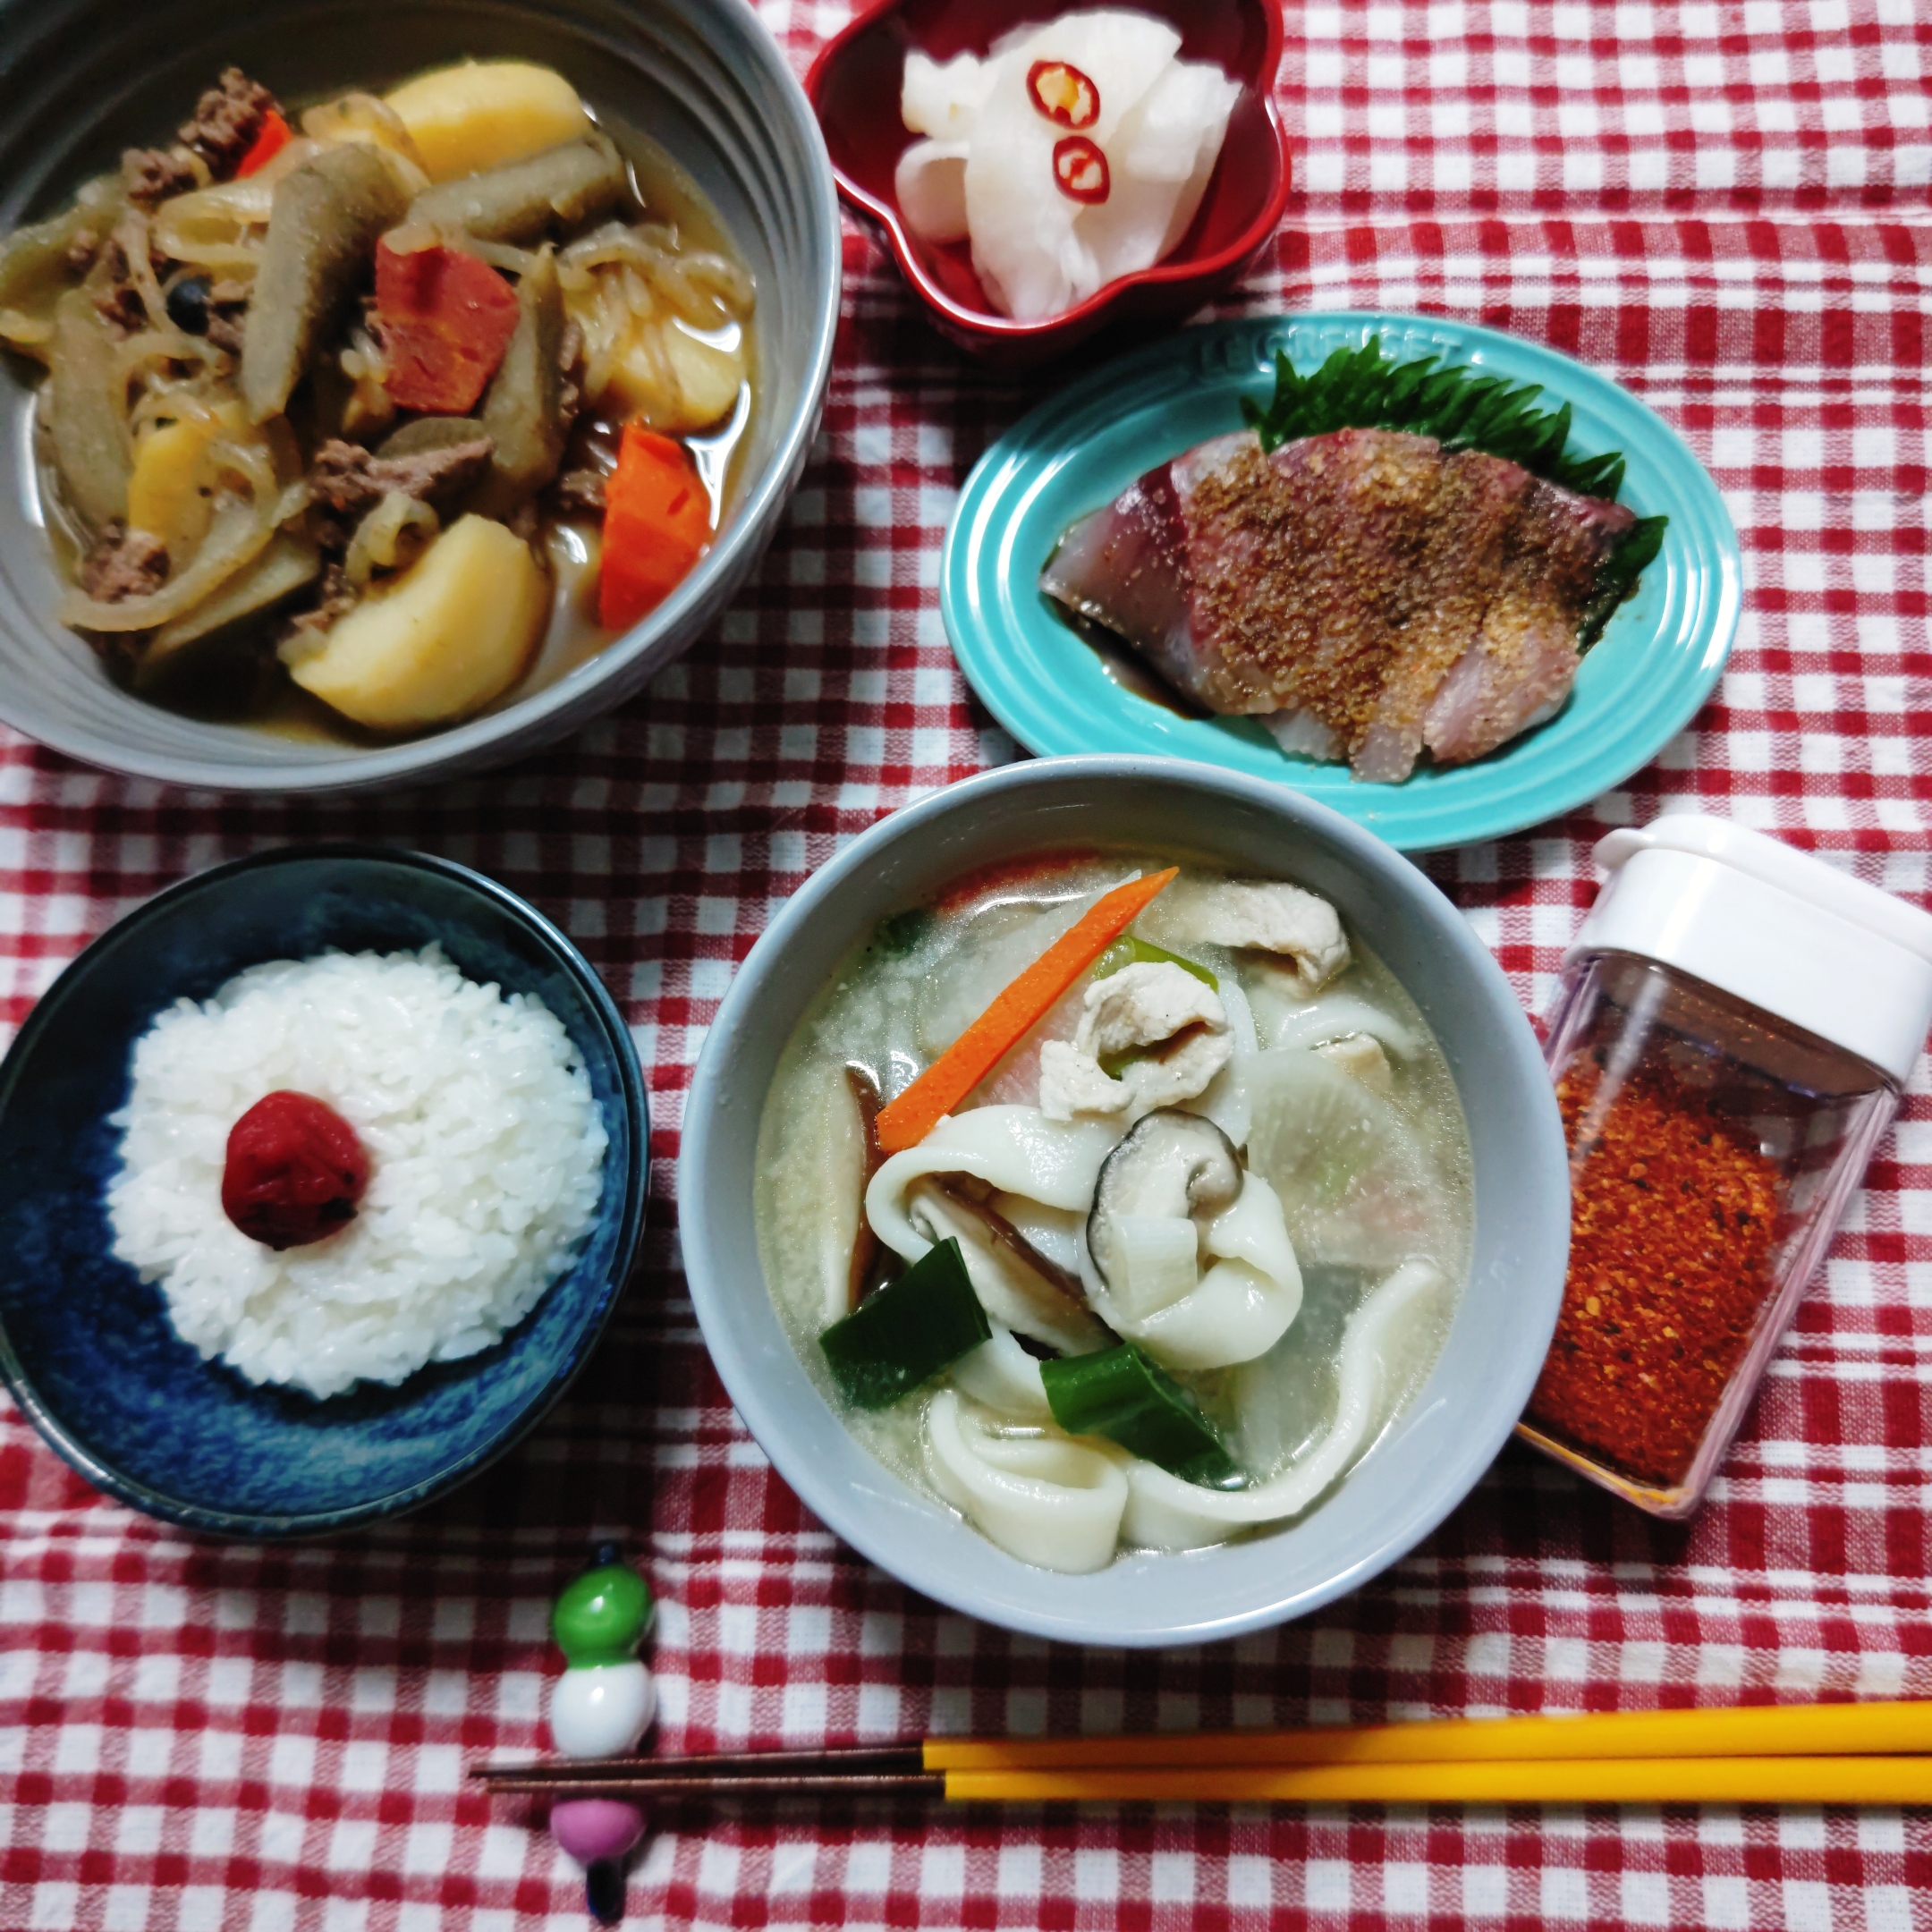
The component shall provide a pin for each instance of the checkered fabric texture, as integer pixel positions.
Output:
(1726, 206)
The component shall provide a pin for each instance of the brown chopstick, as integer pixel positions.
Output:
(799, 1783)
(888, 1762)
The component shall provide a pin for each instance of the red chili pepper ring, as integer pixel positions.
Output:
(1062, 93)
(1080, 170)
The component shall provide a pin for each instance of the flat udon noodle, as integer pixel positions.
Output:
(1017, 1151)
(1014, 1297)
(1236, 1311)
(1165, 1513)
(1001, 1373)
(1046, 1499)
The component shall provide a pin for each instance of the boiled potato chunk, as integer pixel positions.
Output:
(486, 113)
(453, 631)
(703, 388)
(164, 498)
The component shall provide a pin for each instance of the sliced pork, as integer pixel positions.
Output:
(1365, 593)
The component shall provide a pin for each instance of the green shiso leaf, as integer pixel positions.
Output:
(1463, 410)
(1636, 550)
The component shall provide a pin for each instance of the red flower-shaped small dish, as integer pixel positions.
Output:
(854, 86)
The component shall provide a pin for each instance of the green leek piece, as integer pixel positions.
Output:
(1132, 950)
(901, 933)
(1121, 1394)
(905, 1332)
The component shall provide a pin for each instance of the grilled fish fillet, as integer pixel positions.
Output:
(1366, 594)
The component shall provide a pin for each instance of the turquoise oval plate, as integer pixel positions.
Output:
(1643, 682)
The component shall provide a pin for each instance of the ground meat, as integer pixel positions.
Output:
(117, 298)
(227, 120)
(336, 598)
(580, 491)
(120, 303)
(227, 312)
(124, 563)
(151, 175)
(345, 481)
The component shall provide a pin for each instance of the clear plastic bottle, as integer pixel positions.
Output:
(1735, 1024)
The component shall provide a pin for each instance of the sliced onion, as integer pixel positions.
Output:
(294, 153)
(412, 238)
(398, 525)
(168, 344)
(703, 287)
(239, 532)
(222, 228)
(185, 402)
(499, 254)
(372, 121)
(131, 234)
(24, 331)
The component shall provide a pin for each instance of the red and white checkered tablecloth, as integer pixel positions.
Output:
(1728, 207)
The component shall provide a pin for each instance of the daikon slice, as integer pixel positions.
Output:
(1027, 245)
(930, 185)
(1162, 157)
(1074, 154)
(942, 99)
(1356, 1185)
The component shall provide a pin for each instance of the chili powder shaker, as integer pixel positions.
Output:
(1735, 1022)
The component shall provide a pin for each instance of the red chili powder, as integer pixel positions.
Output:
(1673, 1222)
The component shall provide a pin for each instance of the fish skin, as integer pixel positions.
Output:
(1132, 567)
(1367, 593)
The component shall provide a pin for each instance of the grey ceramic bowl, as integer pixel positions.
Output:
(1422, 1467)
(82, 79)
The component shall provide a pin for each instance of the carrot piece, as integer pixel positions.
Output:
(274, 136)
(979, 1048)
(446, 321)
(657, 525)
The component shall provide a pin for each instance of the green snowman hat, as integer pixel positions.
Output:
(605, 1614)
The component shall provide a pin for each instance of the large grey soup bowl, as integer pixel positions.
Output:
(79, 79)
(1423, 1465)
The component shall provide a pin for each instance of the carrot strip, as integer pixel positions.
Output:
(979, 1048)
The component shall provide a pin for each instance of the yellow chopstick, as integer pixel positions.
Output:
(1763, 1731)
(1848, 1780)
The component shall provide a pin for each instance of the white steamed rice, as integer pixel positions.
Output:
(486, 1154)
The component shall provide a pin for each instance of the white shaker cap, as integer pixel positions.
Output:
(1771, 925)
